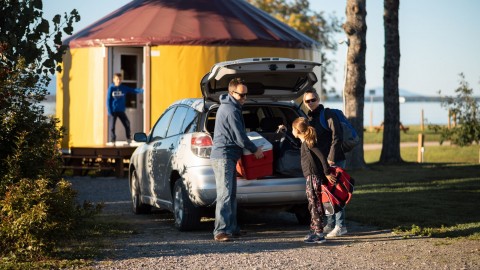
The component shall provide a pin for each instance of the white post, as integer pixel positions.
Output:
(422, 127)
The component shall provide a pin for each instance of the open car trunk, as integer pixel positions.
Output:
(265, 119)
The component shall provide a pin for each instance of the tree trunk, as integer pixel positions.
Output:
(355, 28)
(391, 129)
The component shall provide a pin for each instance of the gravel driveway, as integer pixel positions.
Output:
(273, 241)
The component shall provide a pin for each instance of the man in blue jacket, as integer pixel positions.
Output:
(229, 140)
(116, 99)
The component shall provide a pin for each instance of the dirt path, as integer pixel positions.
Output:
(273, 241)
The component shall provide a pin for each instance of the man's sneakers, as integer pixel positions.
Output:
(314, 238)
(225, 237)
(222, 237)
(337, 231)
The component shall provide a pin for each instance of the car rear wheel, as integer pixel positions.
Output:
(187, 216)
(137, 206)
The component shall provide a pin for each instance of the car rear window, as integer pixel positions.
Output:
(260, 118)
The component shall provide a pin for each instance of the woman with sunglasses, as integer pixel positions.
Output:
(330, 144)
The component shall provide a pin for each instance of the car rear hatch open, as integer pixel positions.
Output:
(267, 79)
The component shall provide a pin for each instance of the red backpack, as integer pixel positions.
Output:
(336, 196)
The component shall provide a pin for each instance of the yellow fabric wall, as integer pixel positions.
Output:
(176, 71)
(80, 101)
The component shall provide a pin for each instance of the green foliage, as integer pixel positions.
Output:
(298, 15)
(35, 217)
(28, 139)
(28, 146)
(26, 34)
(470, 229)
(465, 109)
(37, 208)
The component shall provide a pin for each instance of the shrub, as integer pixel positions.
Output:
(464, 107)
(37, 208)
(29, 147)
(35, 218)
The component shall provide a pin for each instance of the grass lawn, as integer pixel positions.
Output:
(440, 200)
(439, 197)
(434, 154)
(410, 136)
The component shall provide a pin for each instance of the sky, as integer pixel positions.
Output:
(439, 39)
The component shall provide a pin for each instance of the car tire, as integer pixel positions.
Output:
(186, 215)
(302, 214)
(137, 206)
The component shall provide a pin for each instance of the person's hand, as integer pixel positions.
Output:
(331, 163)
(281, 128)
(331, 178)
(259, 153)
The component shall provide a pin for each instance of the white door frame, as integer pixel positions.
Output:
(135, 115)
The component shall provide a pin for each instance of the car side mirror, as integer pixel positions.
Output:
(140, 137)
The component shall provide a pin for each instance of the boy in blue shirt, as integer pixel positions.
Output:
(116, 99)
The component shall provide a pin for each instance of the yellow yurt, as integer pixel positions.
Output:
(164, 47)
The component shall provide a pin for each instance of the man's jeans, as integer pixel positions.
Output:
(226, 208)
(339, 220)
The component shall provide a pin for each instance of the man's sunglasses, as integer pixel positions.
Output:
(308, 101)
(240, 95)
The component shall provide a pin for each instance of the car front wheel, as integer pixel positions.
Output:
(137, 206)
(187, 216)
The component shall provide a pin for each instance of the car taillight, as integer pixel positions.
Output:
(201, 145)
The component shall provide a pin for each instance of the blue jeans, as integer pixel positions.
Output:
(339, 216)
(339, 220)
(226, 207)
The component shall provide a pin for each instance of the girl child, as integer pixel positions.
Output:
(315, 169)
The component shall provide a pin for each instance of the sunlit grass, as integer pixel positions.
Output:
(433, 154)
(410, 136)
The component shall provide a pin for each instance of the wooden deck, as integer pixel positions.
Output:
(108, 158)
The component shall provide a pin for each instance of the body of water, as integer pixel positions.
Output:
(49, 107)
(410, 112)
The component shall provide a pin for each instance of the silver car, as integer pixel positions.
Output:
(171, 169)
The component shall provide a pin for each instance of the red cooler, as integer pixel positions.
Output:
(250, 167)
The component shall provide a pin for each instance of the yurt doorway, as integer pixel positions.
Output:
(129, 62)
